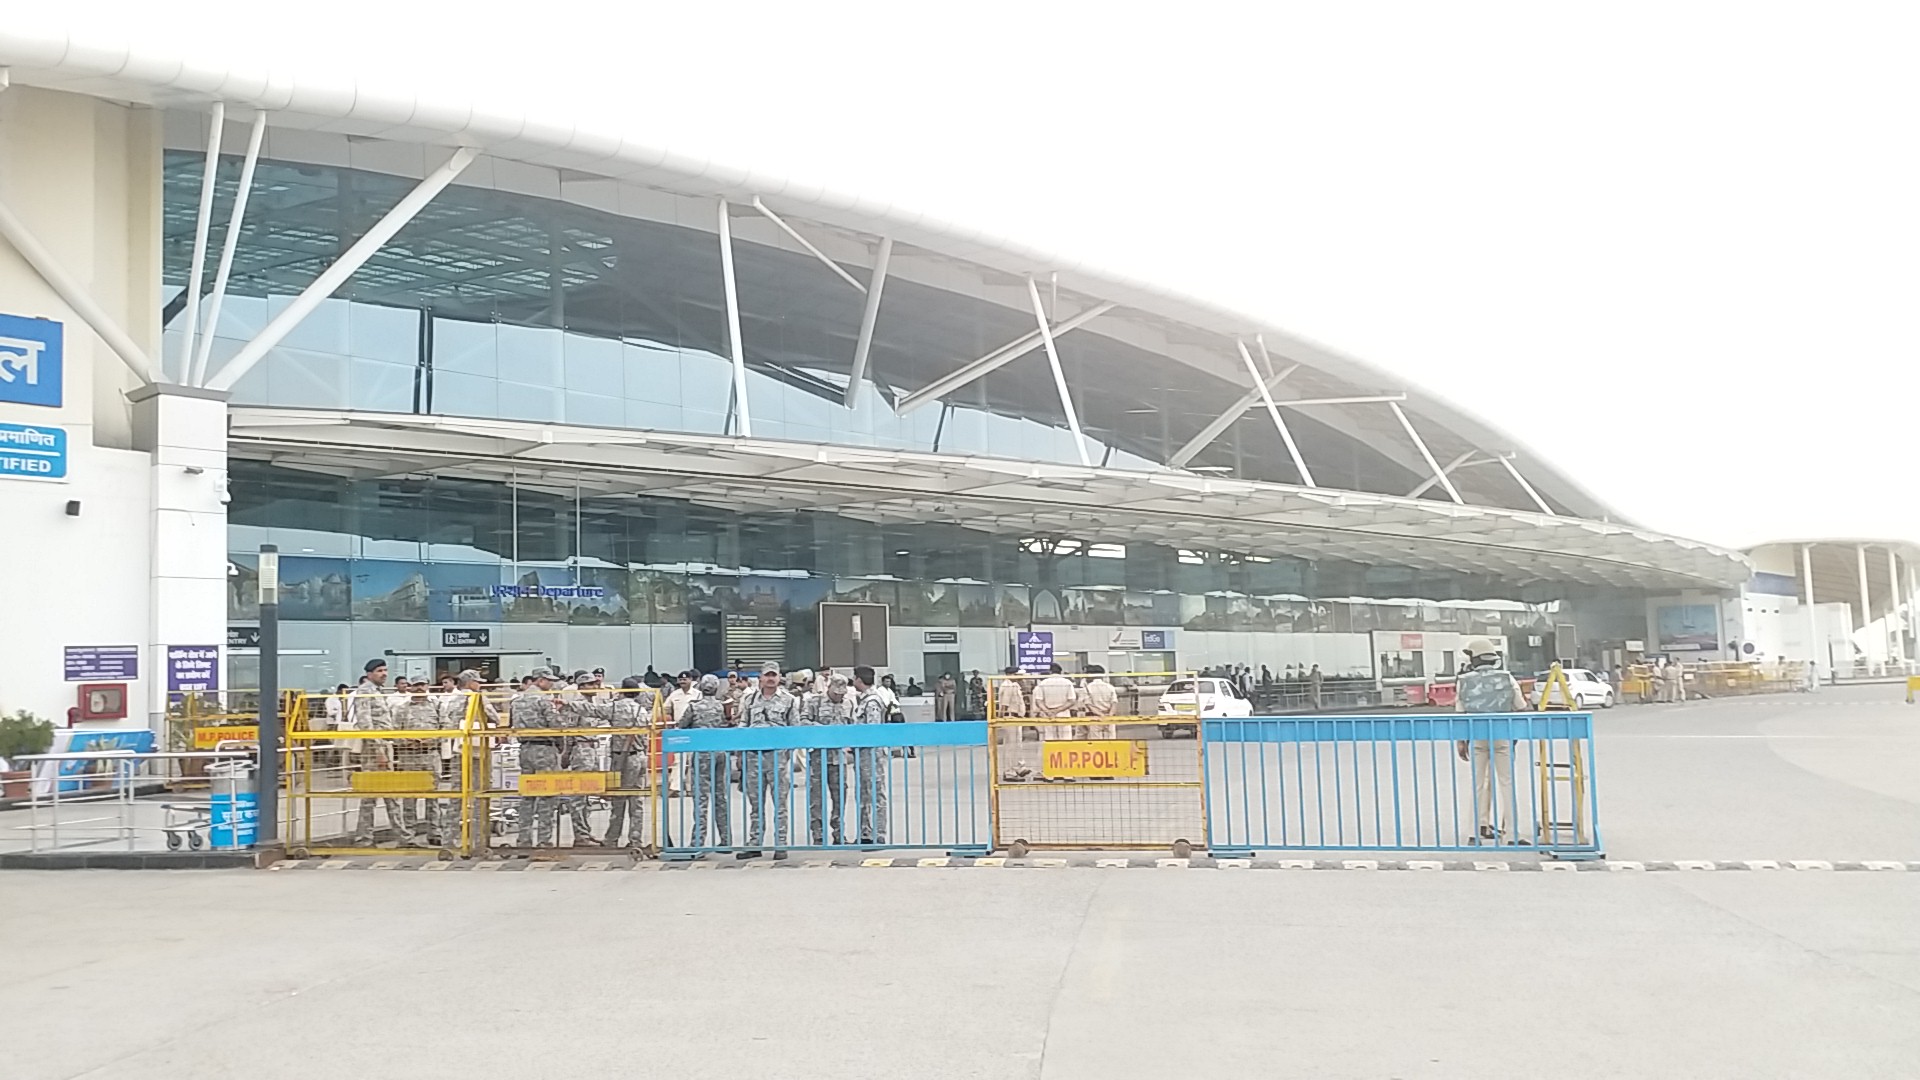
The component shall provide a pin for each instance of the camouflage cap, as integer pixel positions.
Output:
(541, 673)
(468, 676)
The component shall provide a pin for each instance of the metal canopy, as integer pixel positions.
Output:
(1167, 507)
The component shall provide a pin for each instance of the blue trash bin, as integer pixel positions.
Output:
(234, 805)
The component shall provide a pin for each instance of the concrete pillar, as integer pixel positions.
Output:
(1866, 600)
(185, 431)
(82, 175)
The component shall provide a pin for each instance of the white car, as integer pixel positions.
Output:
(1589, 690)
(1205, 698)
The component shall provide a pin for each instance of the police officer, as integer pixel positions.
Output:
(371, 708)
(633, 707)
(766, 773)
(824, 767)
(708, 768)
(579, 707)
(870, 765)
(421, 711)
(533, 711)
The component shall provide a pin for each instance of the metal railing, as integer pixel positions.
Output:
(1402, 783)
(123, 799)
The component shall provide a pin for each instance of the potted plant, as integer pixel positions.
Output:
(21, 734)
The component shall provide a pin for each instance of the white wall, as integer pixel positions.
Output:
(83, 177)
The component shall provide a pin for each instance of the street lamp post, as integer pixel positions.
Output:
(268, 808)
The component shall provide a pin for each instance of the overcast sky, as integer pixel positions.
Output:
(1671, 247)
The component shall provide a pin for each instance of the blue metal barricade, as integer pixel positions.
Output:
(1402, 783)
(842, 787)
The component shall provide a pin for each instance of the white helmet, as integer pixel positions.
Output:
(1480, 646)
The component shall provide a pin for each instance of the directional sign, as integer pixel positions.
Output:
(30, 361)
(1033, 651)
(33, 452)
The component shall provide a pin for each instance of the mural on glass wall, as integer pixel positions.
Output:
(388, 591)
(463, 592)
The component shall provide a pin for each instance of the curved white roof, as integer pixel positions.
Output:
(321, 101)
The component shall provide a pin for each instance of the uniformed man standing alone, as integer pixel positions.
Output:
(707, 769)
(765, 772)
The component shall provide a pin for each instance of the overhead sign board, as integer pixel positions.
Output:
(477, 638)
(30, 361)
(941, 637)
(102, 663)
(243, 637)
(1033, 651)
(33, 452)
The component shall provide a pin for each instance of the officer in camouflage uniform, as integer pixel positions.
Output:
(824, 767)
(531, 712)
(633, 707)
(581, 705)
(871, 765)
(421, 711)
(371, 708)
(708, 781)
(766, 773)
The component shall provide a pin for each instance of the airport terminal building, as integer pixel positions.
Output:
(506, 392)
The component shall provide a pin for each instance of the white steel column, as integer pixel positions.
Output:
(995, 360)
(743, 426)
(1059, 376)
(76, 297)
(1273, 411)
(1514, 471)
(194, 270)
(1866, 599)
(868, 316)
(1813, 619)
(1896, 636)
(1428, 484)
(1426, 454)
(343, 268)
(198, 373)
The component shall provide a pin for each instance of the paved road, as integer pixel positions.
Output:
(978, 972)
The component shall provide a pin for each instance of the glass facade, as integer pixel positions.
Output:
(502, 305)
(390, 552)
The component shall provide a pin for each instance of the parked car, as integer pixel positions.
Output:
(1589, 690)
(1200, 698)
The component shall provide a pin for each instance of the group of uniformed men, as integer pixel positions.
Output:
(1054, 697)
(547, 702)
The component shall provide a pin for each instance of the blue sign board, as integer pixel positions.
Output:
(35, 452)
(1033, 651)
(193, 667)
(1153, 640)
(103, 663)
(30, 361)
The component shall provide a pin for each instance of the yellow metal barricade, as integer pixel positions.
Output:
(1092, 761)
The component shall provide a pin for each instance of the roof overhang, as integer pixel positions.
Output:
(1167, 507)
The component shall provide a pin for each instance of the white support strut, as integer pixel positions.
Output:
(197, 374)
(1514, 471)
(995, 360)
(1273, 411)
(208, 174)
(743, 423)
(803, 242)
(77, 298)
(1220, 423)
(342, 268)
(1059, 375)
(1425, 454)
(868, 316)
